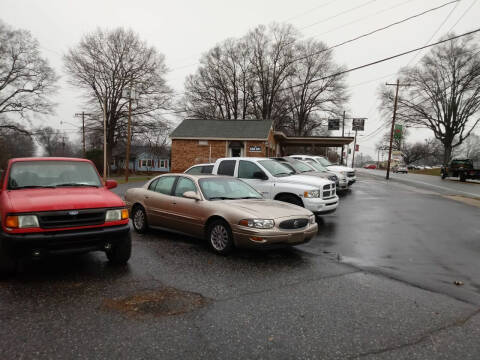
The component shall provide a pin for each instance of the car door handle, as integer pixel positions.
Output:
(174, 203)
(147, 197)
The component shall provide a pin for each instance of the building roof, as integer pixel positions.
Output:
(222, 129)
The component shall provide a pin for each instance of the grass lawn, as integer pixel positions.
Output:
(434, 172)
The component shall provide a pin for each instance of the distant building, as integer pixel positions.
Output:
(197, 141)
(142, 160)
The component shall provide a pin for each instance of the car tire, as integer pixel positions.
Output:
(463, 177)
(139, 219)
(8, 263)
(291, 199)
(219, 236)
(121, 251)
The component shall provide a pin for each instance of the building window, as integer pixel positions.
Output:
(146, 163)
(163, 163)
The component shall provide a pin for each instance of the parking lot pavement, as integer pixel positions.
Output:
(434, 183)
(329, 299)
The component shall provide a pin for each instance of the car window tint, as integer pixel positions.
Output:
(207, 169)
(226, 167)
(165, 184)
(195, 170)
(246, 169)
(152, 185)
(184, 185)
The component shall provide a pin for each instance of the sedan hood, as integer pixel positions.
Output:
(339, 168)
(36, 200)
(304, 180)
(267, 209)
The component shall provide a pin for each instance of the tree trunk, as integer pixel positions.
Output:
(447, 154)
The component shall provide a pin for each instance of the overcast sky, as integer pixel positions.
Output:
(183, 29)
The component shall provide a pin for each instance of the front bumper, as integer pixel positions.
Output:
(321, 206)
(351, 180)
(272, 238)
(342, 185)
(62, 242)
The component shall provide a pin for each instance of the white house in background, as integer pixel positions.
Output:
(142, 160)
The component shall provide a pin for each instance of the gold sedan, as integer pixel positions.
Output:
(224, 210)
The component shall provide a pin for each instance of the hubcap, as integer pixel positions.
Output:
(219, 237)
(139, 219)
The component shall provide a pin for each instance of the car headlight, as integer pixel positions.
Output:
(332, 178)
(22, 221)
(312, 194)
(116, 215)
(258, 223)
(311, 219)
(344, 173)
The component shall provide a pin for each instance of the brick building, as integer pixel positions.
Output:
(197, 141)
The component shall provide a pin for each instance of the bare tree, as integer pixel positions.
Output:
(26, 79)
(55, 142)
(104, 64)
(444, 93)
(306, 94)
(411, 153)
(14, 143)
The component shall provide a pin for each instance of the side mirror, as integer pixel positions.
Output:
(260, 175)
(111, 184)
(191, 195)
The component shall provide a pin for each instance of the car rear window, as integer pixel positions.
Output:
(226, 167)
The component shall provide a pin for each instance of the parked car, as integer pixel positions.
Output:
(199, 169)
(301, 167)
(224, 210)
(400, 169)
(463, 169)
(347, 171)
(56, 206)
(370, 166)
(342, 185)
(276, 181)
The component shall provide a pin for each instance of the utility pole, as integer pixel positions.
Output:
(354, 148)
(393, 125)
(343, 135)
(129, 136)
(105, 139)
(82, 114)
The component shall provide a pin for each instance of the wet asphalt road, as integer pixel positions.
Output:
(376, 283)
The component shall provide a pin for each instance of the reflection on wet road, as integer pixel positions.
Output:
(407, 233)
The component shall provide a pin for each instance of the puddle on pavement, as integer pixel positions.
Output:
(163, 302)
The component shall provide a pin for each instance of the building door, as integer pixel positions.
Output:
(235, 149)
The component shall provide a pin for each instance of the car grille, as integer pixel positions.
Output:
(293, 224)
(71, 218)
(351, 174)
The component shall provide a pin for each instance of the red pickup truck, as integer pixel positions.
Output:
(56, 206)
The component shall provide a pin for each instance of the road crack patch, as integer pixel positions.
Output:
(164, 302)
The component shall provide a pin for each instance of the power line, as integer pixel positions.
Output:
(310, 10)
(382, 60)
(436, 31)
(339, 14)
(461, 17)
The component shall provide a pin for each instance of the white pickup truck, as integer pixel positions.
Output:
(345, 170)
(275, 181)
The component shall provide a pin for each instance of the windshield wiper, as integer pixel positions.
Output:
(283, 174)
(75, 184)
(249, 197)
(222, 198)
(304, 171)
(31, 187)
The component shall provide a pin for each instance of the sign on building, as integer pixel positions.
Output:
(357, 147)
(398, 131)
(358, 124)
(333, 124)
(255, 149)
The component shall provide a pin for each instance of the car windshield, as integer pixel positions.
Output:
(227, 189)
(276, 168)
(48, 174)
(323, 161)
(316, 165)
(300, 166)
